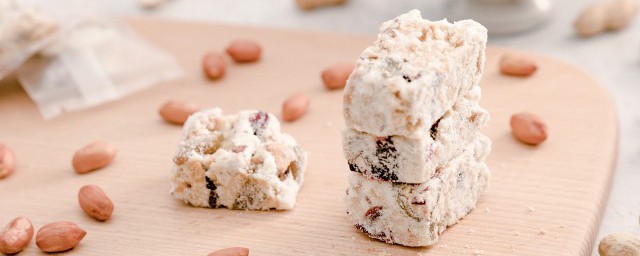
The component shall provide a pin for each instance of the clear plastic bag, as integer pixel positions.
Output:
(95, 61)
(23, 31)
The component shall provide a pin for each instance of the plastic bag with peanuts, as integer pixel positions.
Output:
(94, 61)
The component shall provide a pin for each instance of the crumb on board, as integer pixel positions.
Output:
(517, 233)
(487, 210)
(542, 231)
(562, 226)
(471, 231)
(478, 252)
(531, 209)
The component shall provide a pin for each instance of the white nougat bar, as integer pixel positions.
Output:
(413, 73)
(416, 159)
(416, 214)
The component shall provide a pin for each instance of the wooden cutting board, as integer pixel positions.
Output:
(544, 200)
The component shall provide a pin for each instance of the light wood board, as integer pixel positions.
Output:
(544, 200)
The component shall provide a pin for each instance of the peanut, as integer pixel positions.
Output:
(620, 13)
(233, 251)
(177, 112)
(336, 76)
(620, 244)
(312, 4)
(605, 16)
(7, 161)
(213, 65)
(280, 155)
(93, 156)
(295, 107)
(16, 236)
(244, 51)
(517, 65)
(95, 203)
(592, 20)
(528, 128)
(151, 4)
(59, 236)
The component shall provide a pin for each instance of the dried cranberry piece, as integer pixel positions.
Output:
(238, 149)
(373, 213)
(380, 236)
(386, 153)
(434, 129)
(354, 168)
(259, 121)
(415, 201)
(283, 176)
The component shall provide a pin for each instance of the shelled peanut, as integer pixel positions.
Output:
(95, 203)
(177, 112)
(336, 75)
(620, 244)
(528, 128)
(605, 15)
(233, 251)
(517, 65)
(213, 65)
(243, 51)
(295, 107)
(93, 156)
(16, 236)
(151, 4)
(7, 161)
(59, 236)
(312, 4)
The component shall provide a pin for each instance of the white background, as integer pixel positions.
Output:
(613, 58)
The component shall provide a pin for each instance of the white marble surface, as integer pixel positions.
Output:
(613, 58)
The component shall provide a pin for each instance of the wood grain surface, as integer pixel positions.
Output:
(544, 200)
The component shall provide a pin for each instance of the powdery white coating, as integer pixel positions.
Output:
(416, 214)
(413, 74)
(415, 160)
(238, 161)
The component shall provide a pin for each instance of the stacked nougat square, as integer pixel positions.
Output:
(413, 144)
